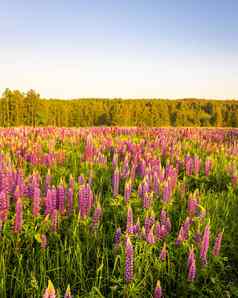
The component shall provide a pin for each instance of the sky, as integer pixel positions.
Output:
(123, 49)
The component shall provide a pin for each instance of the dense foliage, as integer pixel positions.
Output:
(118, 212)
(17, 108)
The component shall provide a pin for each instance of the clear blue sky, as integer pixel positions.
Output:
(132, 48)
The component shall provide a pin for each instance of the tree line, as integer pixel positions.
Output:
(18, 108)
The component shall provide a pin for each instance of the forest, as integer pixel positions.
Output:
(29, 109)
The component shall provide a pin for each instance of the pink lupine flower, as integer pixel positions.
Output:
(163, 252)
(96, 216)
(19, 216)
(158, 290)
(127, 191)
(149, 221)
(48, 202)
(4, 206)
(167, 192)
(205, 245)
(217, 245)
(85, 201)
(129, 261)
(68, 293)
(192, 206)
(129, 222)
(136, 227)
(61, 198)
(197, 164)
(191, 265)
(54, 198)
(150, 236)
(116, 182)
(188, 165)
(36, 202)
(50, 291)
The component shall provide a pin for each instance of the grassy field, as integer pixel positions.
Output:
(118, 212)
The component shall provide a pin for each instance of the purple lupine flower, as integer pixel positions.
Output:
(163, 252)
(208, 166)
(158, 290)
(61, 198)
(129, 222)
(156, 183)
(117, 237)
(191, 265)
(234, 181)
(127, 191)
(85, 196)
(48, 202)
(150, 236)
(54, 197)
(129, 261)
(50, 291)
(205, 245)
(149, 221)
(198, 238)
(96, 216)
(136, 227)
(36, 202)
(116, 182)
(68, 293)
(217, 245)
(54, 220)
(19, 216)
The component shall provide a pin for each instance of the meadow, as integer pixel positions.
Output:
(118, 212)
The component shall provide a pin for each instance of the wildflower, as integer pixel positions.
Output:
(158, 290)
(217, 245)
(129, 261)
(117, 236)
(205, 245)
(36, 202)
(50, 291)
(68, 293)
(96, 216)
(129, 223)
(150, 236)
(191, 265)
(163, 253)
(116, 182)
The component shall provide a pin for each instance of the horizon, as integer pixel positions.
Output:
(136, 50)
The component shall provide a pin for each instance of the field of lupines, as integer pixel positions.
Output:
(118, 212)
